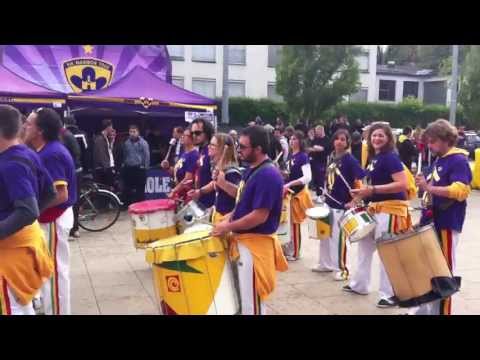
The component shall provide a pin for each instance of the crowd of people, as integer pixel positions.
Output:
(244, 178)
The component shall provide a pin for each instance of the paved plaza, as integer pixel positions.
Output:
(110, 277)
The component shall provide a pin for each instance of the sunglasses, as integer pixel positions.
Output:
(243, 147)
(197, 133)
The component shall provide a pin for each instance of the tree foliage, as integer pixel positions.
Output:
(313, 78)
(470, 86)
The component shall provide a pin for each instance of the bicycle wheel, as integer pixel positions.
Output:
(97, 211)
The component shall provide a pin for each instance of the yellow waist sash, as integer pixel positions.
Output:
(399, 208)
(299, 204)
(25, 262)
(267, 257)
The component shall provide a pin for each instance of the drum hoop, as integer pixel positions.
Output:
(398, 237)
(180, 242)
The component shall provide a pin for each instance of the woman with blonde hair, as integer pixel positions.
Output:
(226, 176)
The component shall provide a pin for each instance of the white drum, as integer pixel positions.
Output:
(189, 215)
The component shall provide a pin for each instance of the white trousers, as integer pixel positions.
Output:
(448, 240)
(56, 292)
(366, 248)
(249, 298)
(332, 254)
(298, 234)
(9, 304)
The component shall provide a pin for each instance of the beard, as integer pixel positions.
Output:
(249, 159)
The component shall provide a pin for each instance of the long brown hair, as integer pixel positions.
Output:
(230, 158)
(389, 146)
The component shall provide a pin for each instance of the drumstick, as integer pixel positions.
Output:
(343, 179)
(278, 157)
(419, 170)
(169, 150)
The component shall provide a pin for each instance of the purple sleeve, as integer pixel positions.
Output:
(357, 171)
(56, 168)
(393, 164)
(265, 192)
(21, 181)
(461, 172)
(191, 162)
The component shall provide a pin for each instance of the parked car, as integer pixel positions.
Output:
(472, 142)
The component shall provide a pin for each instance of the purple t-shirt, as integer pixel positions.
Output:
(224, 203)
(448, 213)
(263, 190)
(186, 163)
(295, 166)
(59, 163)
(380, 171)
(18, 180)
(351, 170)
(205, 176)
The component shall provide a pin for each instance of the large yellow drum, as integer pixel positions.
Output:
(192, 275)
(284, 228)
(152, 220)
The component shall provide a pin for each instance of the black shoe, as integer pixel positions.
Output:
(347, 288)
(386, 303)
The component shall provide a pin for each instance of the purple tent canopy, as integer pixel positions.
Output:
(78, 68)
(142, 90)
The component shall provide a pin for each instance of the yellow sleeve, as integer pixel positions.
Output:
(459, 191)
(60, 183)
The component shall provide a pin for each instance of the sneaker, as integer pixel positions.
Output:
(76, 234)
(347, 288)
(340, 276)
(321, 269)
(386, 303)
(291, 258)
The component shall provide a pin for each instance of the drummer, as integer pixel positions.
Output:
(184, 170)
(254, 223)
(300, 175)
(449, 187)
(226, 176)
(387, 199)
(333, 252)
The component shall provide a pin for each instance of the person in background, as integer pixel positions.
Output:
(318, 157)
(406, 148)
(136, 162)
(461, 142)
(177, 149)
(233, 133)
(357, 146)
(279, 122)
(103, 159)
(73, 147)
(289, 130)
(156, 142)
(357, 126)
(302, 127)
(43, 134)
(279, 135)
(25, 260)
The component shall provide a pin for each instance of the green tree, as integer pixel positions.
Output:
(314, 78)
(470, 87)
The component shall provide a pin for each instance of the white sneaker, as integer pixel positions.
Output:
(291, 258)
(321, 269)
(340, 276)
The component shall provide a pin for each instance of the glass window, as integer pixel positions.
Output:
(176, 52)
(236, 88)
(360, 96)
(386, 91)
(363, 62)
(273, 55)
(204, 53)
(178, 81)
(410, 88)
(237, 54)
(205, 87)
(272, 92)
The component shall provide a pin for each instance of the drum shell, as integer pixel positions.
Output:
(198, 284)
(353, 221)
(411, 261)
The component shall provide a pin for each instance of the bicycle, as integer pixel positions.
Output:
(98, 208)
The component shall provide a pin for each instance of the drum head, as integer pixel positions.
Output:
(318, 212)
(198, 227)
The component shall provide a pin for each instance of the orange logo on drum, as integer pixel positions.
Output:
(173, 283)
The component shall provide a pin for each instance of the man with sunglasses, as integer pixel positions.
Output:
(254, 223)
(42, 133)
(202, 131)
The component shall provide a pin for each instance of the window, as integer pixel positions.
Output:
(237, 54)
(274, 52)
(272, 92)
(360, 96)
(363, 62)
(386, 90)
(178, 81)
(410, 88)
(205, 87)
(204, 53)
(176, 52)
(236, 88)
